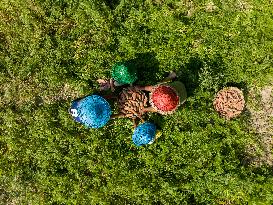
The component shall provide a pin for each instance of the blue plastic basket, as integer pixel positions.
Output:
(144, 134)
(92, 111)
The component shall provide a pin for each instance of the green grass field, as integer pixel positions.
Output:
(52, 51)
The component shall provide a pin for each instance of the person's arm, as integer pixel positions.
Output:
(149, 109)
(115, 116)
(110, 96)
(148, 88)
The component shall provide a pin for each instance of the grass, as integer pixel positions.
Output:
(53, 51)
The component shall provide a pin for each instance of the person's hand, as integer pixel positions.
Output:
(106, 84)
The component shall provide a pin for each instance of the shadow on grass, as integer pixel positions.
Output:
(157, 120)
(189, 74)
(147, 66)
(3, 148)
(112, 4)
(265, 170)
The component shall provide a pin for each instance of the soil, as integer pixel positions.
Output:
(260, 108)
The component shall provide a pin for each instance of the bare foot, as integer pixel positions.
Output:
(115, 116)
(105, 84)
(148, 88)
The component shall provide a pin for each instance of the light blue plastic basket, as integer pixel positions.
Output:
(144, 134)
(92, 111)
